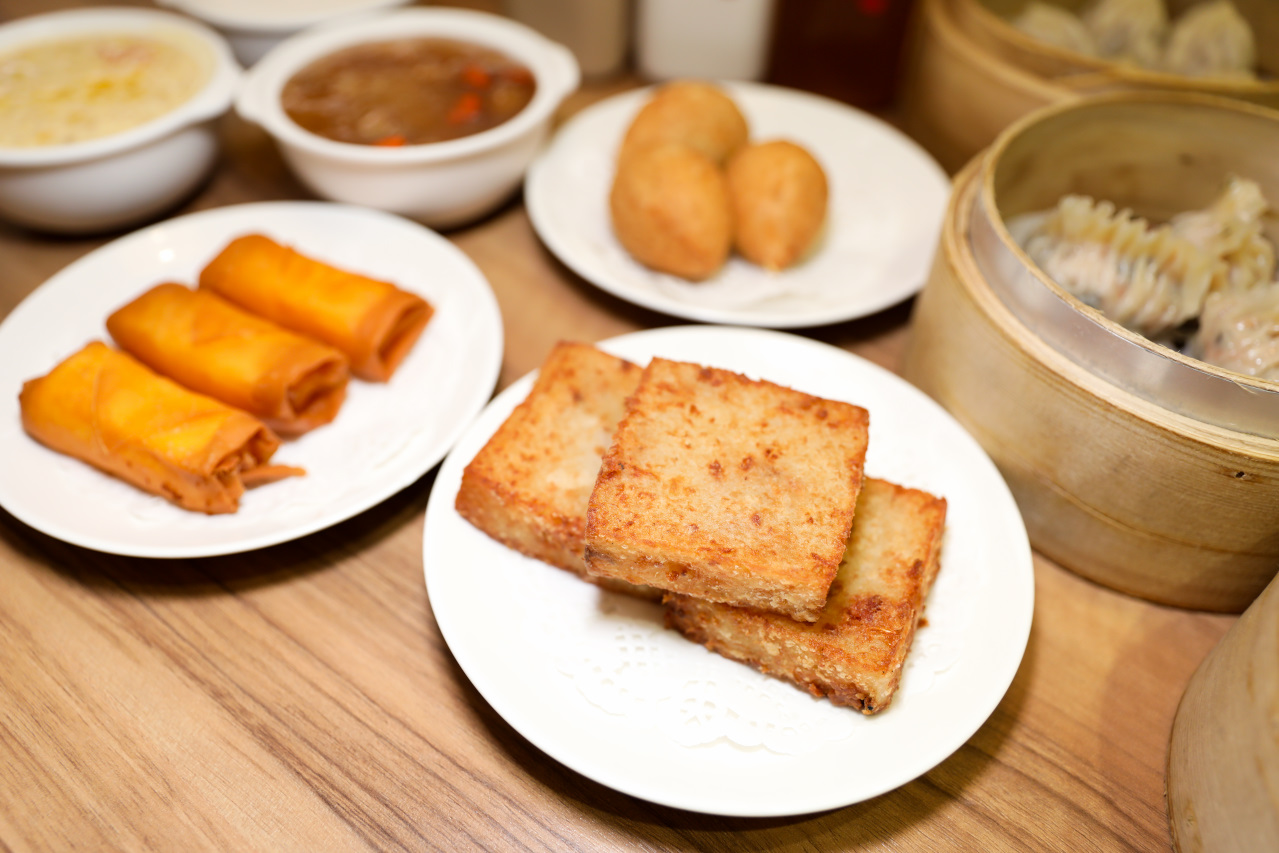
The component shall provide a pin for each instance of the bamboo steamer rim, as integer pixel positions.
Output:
(1218, 396)
(1096, 70)
(957, 248)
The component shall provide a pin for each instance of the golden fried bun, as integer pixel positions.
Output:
(778, 193)
(690, 112)
(670, 210)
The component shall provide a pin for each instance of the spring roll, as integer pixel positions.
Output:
(198, 339)
(105, 408)
(374, 323)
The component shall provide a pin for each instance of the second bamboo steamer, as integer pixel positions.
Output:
(969, 73)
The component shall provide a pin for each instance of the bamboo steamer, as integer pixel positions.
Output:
(1137, 467)
(987, 23)
(955, 96)
(969, 73)
(1223, 758)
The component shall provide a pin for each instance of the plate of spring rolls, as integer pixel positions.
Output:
(240, 377)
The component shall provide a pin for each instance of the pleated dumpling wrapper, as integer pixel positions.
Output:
(200, 340)
(374, 323)
(105, 408)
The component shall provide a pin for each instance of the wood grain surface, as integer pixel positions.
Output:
(301, 697)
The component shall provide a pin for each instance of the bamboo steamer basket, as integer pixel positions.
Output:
(988, 24)
(1223, 758)
(969, 73)
(1142, 469)
(956, 97)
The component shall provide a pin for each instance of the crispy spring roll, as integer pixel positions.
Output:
(105, 408)
(198, 339)
(373, 322)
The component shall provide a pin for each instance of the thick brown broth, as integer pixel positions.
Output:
(407, 92)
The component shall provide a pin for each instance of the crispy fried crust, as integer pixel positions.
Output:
(729, 489)
(854, 652)
(688, 112)
(670, 210)
(528, 487)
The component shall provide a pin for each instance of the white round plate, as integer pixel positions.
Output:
(593, 679)
(887, 200)
(385, 437)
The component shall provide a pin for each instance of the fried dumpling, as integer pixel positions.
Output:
(1239, 330)
(779, 195)
(671, 211)
(1057, 26)
(1146, 278)
(1211, 40)
(695, 113)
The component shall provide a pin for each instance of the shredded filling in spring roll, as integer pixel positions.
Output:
(198, 339)
(105, 408)
(373, 322)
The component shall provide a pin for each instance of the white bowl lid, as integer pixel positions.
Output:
(273, 15)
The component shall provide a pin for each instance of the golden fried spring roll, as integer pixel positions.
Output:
(373, 322)
(104, 407)
(198, 339)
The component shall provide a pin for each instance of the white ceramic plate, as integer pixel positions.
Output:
(594, 680)
(887, 200)
(385, 437)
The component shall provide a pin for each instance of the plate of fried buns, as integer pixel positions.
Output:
(238, 377)
(729, 570)
(739, 203)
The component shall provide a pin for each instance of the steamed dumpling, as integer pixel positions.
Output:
(1211, 40)
(1240, 331)
(1214, 265)
(1146, 278)
(1057, 26)
(1131, 30)
(1231, 228)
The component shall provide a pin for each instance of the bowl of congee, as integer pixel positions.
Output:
(431, 113)
(107, 115)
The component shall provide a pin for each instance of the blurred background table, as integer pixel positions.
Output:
(301, 698)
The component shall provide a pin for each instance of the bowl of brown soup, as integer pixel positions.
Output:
(430, 113)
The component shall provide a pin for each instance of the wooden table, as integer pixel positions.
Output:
(301, 697)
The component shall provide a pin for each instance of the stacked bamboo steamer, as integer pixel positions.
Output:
(970, 73)
(1223, 759)
(1142, 469)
